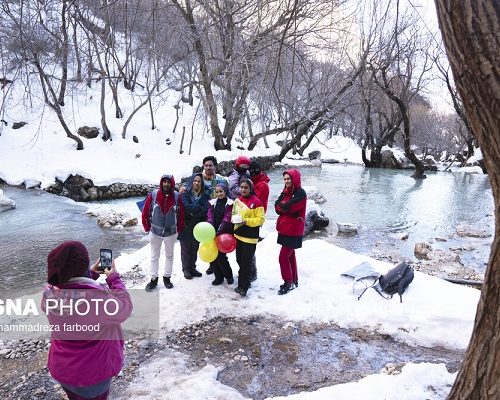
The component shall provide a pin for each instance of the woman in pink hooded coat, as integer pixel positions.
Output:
(84, 363)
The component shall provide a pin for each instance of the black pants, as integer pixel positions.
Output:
(253, 269)
(221, 267)
(244, 255)
(189, 255)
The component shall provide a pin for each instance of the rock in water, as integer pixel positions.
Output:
(315, 221)
(347, 228)
(32, 183)
(6, 204)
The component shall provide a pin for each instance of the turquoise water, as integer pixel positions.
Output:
(388, 203)
(38, 224)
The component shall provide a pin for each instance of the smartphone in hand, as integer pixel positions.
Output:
(106, 258)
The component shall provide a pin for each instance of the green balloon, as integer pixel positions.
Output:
(204, 232)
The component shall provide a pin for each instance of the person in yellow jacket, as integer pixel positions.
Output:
(248, 216)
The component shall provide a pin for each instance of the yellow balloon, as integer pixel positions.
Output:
(208, 251)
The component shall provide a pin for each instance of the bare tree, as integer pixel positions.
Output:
(470, 34)
(399, 68)
(466, 132)
(230, 38)
(28, 34)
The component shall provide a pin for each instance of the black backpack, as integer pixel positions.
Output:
(395, 281)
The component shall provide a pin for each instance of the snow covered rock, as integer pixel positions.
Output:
(6, 204)
(111, 218)
(88, 132)
(347, 228)
(32, 183)
(471, 170)
(314, 194)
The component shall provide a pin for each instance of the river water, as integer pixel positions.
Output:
(385, 203)
(38, 224)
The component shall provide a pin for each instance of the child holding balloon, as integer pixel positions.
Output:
(219, 215)
(248, 217)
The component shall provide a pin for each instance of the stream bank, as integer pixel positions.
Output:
(258, 356)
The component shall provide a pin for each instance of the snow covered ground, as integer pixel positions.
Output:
(433, 313)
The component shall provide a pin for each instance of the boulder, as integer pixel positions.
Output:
(18, 125)
(55, 188)
(129, 221)
(422, 251)
(6, 204)
(89, 132)
(388, 159)
(315, 155)
(32, 183)
(315, 221)
(93, 193)
(314, 194)
(347, 228)
(77, 186)
(113, 219)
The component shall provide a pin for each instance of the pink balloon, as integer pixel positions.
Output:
(226, 243)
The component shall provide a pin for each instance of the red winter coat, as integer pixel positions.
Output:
(291, 207)
(261, 188)
(166, 203)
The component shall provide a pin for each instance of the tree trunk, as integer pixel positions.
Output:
(76, 49)
(470, 35)
(64, 53)
(106, 134)
(114, 90)
(54, 105)
(368, 134)
(419, 166)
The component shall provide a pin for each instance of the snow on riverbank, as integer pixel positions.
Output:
(433, 313)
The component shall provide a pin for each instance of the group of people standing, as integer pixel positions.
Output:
(236, 205)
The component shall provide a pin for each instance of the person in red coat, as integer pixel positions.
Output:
(260, 182)
(291, 210)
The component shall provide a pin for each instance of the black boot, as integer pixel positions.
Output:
(217, 282)
(188, 275)
(167, 283)
(285, 288)
(152, 284)
(230, 281)
(210, 270)
(195, 273)
(241, 291)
